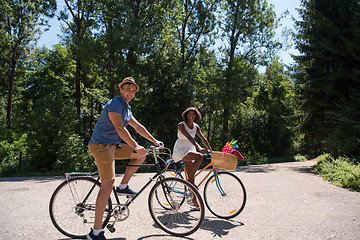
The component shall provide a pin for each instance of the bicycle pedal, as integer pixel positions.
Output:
(125, 195)
(110, 228)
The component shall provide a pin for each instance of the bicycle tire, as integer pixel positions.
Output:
(67, 212)
(179, 219)
(225, 195)
(169, 173)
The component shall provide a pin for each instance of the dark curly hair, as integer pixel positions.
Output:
(197, 113)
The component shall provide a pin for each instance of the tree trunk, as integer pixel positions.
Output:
(226, 124)
(77, 86)
(11, 93)
(111, 76)
(227, 102)
(20, 159)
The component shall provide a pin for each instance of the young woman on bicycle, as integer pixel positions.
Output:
(185, 146)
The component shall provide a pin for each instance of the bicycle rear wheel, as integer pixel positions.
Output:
(178, 218)
(72, 206)
(224, 195)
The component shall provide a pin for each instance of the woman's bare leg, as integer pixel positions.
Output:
(192, 163)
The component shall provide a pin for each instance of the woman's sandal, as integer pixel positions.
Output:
(195, 205)
(192, 208)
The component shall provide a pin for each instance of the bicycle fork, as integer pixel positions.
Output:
(218, 185)
(167, 193)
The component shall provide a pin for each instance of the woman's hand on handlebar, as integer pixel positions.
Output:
(207, 153)
(202, 150)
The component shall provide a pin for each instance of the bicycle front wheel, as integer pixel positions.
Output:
(224, 195)
(167, 174)
(179, 218)
(72, 206)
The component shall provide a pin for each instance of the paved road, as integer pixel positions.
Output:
(285, 201)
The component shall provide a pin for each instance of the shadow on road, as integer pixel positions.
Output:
(35, 179)
(304, 169)
(255, 169)
(220, 227)
(217, 227)
(267, 168)
(159, 236)
(107, 238)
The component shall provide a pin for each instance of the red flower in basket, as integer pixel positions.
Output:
(238, 154)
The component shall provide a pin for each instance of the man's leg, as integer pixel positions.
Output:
(104, 158)
(101, 201)
(127, 152)
(131, 170)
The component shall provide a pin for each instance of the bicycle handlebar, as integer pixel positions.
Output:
(208, 153)
(154, 149)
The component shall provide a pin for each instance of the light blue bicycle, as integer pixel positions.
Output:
(224, 193)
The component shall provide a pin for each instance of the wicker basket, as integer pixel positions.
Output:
(224, 161)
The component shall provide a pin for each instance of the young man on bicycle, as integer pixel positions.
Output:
(105, 146)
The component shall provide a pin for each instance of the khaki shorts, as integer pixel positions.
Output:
(104, 158)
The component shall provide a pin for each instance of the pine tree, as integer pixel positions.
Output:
(328, 79)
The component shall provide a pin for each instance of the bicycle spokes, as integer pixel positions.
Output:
(224, 195)
(169, 209)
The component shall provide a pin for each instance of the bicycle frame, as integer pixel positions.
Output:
(157, 174)
(161, 198)
(213, 170)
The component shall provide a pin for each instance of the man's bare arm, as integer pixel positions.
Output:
(124, 134)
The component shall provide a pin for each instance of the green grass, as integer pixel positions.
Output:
(342, 172)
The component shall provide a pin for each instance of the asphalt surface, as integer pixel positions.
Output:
(285, 201)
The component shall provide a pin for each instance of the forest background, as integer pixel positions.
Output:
(51, 98)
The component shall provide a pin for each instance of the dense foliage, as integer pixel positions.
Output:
(203, 53)
(342, 172)
(328, 76)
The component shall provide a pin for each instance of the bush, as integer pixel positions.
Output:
(10, 152)
(73, 155)
(342, 171)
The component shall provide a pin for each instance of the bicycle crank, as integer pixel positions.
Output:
(121, 213)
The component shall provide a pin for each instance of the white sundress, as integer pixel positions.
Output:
(182, 145)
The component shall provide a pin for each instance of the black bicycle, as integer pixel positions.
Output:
(72, 205)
